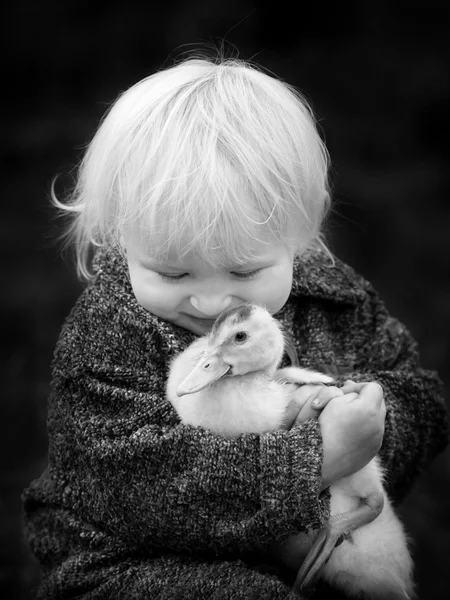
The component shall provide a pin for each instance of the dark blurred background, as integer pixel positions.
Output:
(377, 74)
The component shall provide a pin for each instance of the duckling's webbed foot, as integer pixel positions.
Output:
(327, 539)
(337, 530)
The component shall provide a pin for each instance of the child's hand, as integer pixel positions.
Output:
(352, 430)
(307, 401)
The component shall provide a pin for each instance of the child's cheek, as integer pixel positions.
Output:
(273, 294)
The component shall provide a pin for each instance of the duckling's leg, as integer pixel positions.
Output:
(336, 530)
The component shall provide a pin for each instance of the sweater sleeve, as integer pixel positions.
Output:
(416, 426)
(129, 466)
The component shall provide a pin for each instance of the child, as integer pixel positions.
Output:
(206, 186)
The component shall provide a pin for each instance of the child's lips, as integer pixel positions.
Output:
(203, 321)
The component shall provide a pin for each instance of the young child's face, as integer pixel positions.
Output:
(192, 293)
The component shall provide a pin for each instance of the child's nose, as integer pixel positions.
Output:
(210, 306)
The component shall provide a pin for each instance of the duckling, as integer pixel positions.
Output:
(228, 382)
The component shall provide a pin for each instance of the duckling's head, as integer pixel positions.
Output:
(243, 339)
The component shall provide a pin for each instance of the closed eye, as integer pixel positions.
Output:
(239, 274)
(246, 275)
(171, 278)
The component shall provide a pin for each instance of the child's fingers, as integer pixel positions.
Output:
(349, 381)
(324, 395)
(372, 392)
(348, 386)
(350, 396)
(364, 389)
(317, 402)
(307, 412)
(320, 404)
(369, 394)
(351, 386)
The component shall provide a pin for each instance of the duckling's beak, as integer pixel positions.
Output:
(209, 369)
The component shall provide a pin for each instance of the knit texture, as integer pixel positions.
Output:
(136, 505)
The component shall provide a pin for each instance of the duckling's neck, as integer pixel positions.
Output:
(272, 367)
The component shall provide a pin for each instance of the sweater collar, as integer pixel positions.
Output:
(316, 275)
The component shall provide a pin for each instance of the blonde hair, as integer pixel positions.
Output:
(206, 156)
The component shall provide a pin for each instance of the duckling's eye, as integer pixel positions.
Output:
(240, 337)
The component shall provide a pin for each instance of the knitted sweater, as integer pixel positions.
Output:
(136, 505)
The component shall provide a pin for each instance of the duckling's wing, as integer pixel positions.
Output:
(301, 376)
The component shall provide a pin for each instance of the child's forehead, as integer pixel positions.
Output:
(192, 261)
(261, 252)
